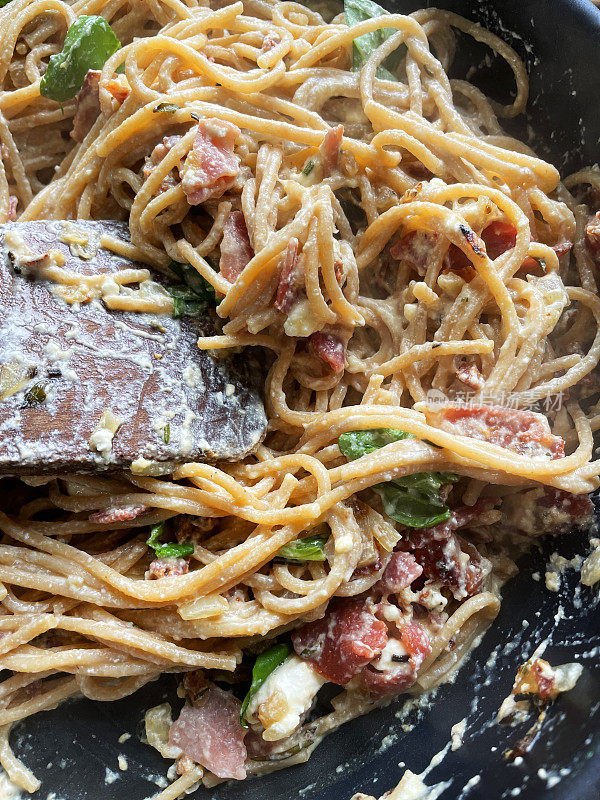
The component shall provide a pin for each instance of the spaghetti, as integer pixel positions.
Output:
(422, 286)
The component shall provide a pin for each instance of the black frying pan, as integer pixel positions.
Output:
(71, 748)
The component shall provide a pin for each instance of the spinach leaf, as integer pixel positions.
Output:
(355, 444)
(195, 282)
(308, 548)
(169, 549)
(89, 43)
(364, 46)
(264, 665)
(186, 303)
(4, 3)
(411, 508)
(414, 500)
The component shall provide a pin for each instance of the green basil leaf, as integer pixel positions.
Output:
(186, 303)
(264, 665)
(308, 548)
(89, 43)
(364, 46)
(411, 510)
(355, 444)
(169, 549)
(414, 500)
(175, 550)
(195, 282)
(4, 3)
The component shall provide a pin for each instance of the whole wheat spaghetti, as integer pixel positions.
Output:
(422, 290)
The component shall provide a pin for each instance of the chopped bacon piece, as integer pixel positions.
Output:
(211, 166)
(338, 269)
(236, 250)
(108, 516)
(330, 348)
(592, 234)
(381, 682)
(415, 249)
(401, 571)
(211, 734)
(286, 289)
(522, 432)
(13, 202)
(343, 642)
(330, 149)
(167, 568)
(470, 376)
(87, 105)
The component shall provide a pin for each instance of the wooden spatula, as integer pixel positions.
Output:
(85, 389)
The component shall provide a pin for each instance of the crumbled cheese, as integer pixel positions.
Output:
(590, 569)
(457, 733)
(102, 438)
(192, 376)
(301, 322)
(122, 762)
(142, 466)
(83, 242)
(343, 544)
(410, 311)
(285, 696)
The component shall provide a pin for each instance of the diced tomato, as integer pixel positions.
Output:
(330, 149)
(343, 642)
(417, 642)
(236, 250)
(330, 348)
(286, 289)
(415, 249)
(211, 166)
(577, 508)
(382, 682)
(498, 237)
(401, 571)
(544, 678)
(454, 563)
(523, 432)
